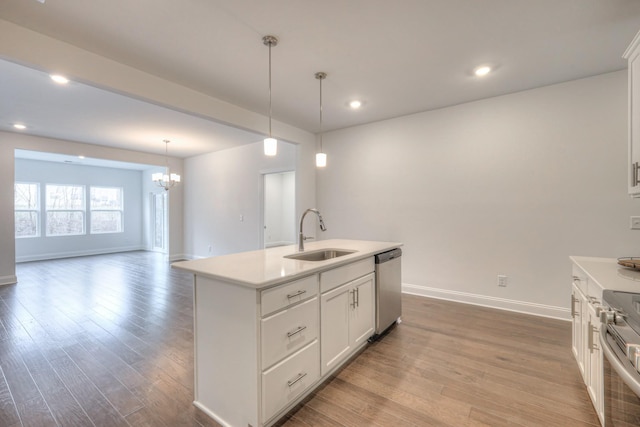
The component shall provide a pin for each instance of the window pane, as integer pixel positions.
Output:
(106, 222)
(105, 198)
(26, 224)
(26, 196)
(65, 197)
(65, 223)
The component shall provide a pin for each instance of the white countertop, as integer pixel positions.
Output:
(267, 267)
(608, 274)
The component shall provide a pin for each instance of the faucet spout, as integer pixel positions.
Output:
(301, 236)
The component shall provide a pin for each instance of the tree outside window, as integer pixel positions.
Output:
(27, 209)
(65, 205)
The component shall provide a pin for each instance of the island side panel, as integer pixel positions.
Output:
(226, 364)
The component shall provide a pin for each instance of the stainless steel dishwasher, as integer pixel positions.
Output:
(388, 289)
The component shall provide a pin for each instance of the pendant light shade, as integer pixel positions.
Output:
(270, 143)
(167, 179)
(321, 160)
(270, 146)
(321, 157)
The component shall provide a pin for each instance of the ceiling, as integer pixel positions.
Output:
(396, 57)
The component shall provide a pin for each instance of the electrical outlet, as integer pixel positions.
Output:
(635, 223)
(241, 218)
(210, 248)
(502, 280)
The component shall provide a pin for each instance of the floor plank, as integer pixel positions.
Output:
(108, 341)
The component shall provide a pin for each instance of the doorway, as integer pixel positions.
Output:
(279, 208)
(159, 221)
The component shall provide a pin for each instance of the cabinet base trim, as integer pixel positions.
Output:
(8, 280)
(211, 414)
(541, 310)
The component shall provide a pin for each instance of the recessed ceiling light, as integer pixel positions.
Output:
(81, 157)
(355, 104)
(19, 126)
(482, 70)
(59, 79)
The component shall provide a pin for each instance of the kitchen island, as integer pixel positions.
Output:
(269, 329)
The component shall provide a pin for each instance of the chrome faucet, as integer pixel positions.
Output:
(301, 237)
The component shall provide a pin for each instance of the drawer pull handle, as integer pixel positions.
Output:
(574, 312)
(300, 376)
(297, 331)
(297, 294)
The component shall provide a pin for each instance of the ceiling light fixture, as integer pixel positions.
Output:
(321, 157)
(167, 179)
(19, 126)
(270, 143)
(355, 104)
(482, 70)
(59, 79)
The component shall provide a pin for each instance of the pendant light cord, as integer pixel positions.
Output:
(270, 41)
(166, 154)
(321, 76)
(321, 114)
(270, 89)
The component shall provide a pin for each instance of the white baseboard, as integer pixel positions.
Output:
(73, 254)
(542, 310)
(8, 280)
(178, 257)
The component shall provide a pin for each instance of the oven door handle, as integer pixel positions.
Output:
(629, 378)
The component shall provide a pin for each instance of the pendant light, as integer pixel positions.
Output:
(167, 179)
(270, 143)
(321, 157)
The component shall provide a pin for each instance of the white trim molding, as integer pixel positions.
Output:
(74, 254)
(8, 280)
(542, 310)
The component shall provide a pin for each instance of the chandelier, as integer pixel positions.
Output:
(167, 179)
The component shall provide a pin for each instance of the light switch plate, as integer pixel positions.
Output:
(635, 223)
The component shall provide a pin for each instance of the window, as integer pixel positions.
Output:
(106, 210)
(27, 209)
(65, 206)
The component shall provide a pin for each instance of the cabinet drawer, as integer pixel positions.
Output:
(341, 275)
(285, 295)
(289, 379)
(288, 331)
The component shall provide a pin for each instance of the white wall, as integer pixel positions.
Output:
(511, 185)
(230, 188)
(42, 247)
(279, 209)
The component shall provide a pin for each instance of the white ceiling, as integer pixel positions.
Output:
(397, 57)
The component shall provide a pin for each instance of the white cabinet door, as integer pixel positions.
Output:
(334, 326)
(346, 320)
(595, 384)
(633, 57)
(362, 320)
(578, 302)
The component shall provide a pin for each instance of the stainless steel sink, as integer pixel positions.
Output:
(320, 255)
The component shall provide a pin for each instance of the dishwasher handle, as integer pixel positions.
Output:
(388, 255)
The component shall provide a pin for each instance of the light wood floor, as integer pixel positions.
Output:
(108, 341)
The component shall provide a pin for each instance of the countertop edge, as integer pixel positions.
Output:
(305, 269)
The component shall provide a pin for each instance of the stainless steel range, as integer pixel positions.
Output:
(620, 341)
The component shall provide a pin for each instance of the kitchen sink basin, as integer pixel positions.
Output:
(320, 255)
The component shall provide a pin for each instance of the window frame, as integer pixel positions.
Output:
(91, 209)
